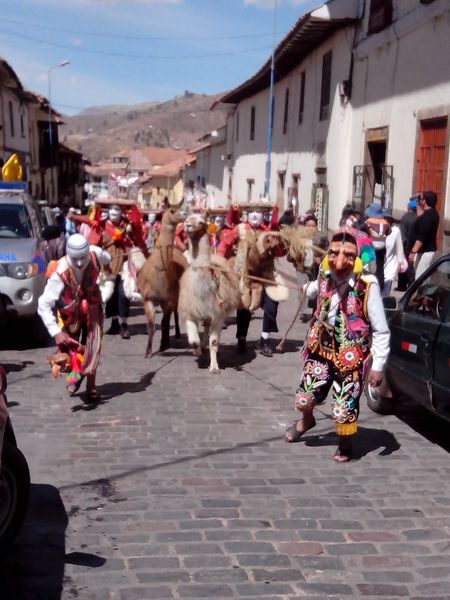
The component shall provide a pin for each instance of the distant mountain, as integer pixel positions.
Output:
(101, 131)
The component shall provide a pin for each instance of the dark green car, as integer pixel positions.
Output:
(418, 366)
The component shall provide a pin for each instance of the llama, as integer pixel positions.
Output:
(209, 291)
(159, 279)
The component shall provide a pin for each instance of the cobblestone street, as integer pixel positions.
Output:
(179, 485)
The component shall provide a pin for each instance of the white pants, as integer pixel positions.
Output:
(423, 261)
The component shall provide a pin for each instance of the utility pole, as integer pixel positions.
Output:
(63, 63)
(270, 124)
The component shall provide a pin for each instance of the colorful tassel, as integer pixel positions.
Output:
(345, 428)
(358, 267)
(325, 264)
(76, 364)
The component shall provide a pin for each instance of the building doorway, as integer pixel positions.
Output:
(431, 154)
(375, 162)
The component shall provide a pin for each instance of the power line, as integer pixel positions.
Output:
(140, 37)
(127, 55)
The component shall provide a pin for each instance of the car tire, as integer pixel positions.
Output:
(14, 492)
(377, 401)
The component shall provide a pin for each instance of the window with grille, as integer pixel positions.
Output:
(380, 15)
(252, 122)
(302, 97)
(286, 110)
(325, 90)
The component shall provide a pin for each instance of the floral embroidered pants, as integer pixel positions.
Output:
(318, 376)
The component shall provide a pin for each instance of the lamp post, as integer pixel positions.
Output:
(63, 63)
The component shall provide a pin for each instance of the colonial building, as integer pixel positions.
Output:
(360, 111)
(42, 176)
(14, 118)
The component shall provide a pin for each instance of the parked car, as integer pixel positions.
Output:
(418, 366)
(14, 475)
(22, 258)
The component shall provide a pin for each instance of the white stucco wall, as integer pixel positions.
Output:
(215, 183)
(304, 146)
(400, 77)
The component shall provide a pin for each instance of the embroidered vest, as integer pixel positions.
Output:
(70, 303)
(346, 343)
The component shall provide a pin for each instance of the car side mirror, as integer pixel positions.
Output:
(51, 232)
(390, 303)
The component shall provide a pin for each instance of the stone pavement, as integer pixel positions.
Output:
(179, 485)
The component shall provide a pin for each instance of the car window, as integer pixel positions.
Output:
(431, 297)
(15, 221)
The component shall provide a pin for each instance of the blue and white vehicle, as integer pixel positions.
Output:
(22, 259)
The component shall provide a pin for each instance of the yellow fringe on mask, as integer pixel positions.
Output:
(346, 428)
(358, 267)
(325, 264)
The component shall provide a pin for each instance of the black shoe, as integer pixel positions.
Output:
(242, 346)
(125, 334)
(114, 328)
(264, 347)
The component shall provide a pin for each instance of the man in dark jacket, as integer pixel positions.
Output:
(406, 225)
(423, 251)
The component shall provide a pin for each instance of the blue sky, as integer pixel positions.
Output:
(115, 54)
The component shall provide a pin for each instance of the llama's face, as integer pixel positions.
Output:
(173, 215)
(195, 226)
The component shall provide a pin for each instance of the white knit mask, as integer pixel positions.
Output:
(255, 218)
(114, 214)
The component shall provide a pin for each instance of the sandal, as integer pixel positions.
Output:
(73, 388)
(92, 396)
(295, 434)
(343, 454)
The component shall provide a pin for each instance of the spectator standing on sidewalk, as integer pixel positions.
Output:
(423, 251)
(378, 229)
(394, 260)
(406, 225)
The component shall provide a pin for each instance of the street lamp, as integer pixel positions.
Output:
(63, 63)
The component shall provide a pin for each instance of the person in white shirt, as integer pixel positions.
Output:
(71, 309)
(348, 330)
(394, 260)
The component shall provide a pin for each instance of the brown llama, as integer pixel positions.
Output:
(209, 291)
(159, 279)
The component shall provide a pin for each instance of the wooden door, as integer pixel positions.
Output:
(430, 158)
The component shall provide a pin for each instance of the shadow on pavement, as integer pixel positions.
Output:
(34, 566)
(24, 334)
(426, 424)
(367, 440)
(115, 389)
(17, 367)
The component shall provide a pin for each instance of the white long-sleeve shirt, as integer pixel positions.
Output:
(375, 310)
(54, 288)
(394, 254)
